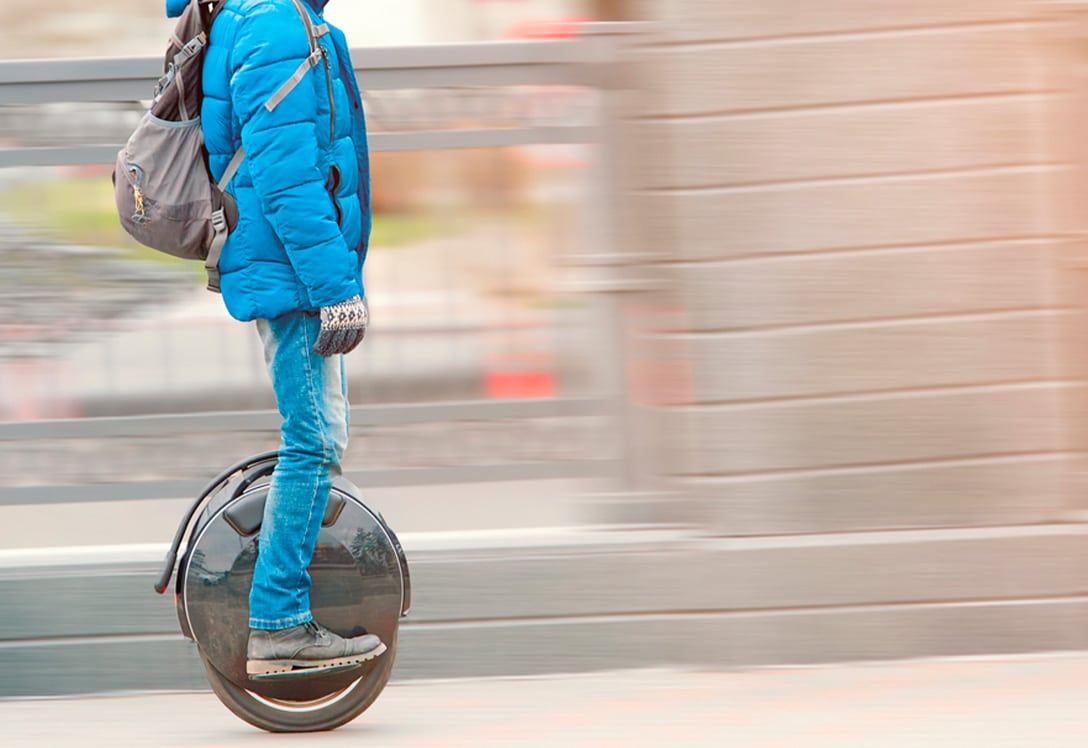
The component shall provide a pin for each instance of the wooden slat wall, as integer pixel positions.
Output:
(855, 208)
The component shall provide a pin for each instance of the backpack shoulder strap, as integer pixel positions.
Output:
(313, 33)
(219, 221)
(220, 227)
(232, 168)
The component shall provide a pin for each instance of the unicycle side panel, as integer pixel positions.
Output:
(357, 586)
(361, 584)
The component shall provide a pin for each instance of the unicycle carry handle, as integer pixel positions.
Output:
(167, 571)
(172, 555)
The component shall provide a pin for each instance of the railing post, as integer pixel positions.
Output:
(634, 372)
(1067, 70)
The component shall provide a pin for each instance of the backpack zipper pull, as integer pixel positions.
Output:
(140, 216)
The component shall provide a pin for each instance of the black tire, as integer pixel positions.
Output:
(288, 716)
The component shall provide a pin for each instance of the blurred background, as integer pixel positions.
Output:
(748, 330)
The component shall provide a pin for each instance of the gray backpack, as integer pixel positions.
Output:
(166, 197)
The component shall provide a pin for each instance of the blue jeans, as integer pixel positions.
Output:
(311, 395)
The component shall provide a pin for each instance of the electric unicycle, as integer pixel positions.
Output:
(360, 584)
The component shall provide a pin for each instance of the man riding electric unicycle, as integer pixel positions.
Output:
(291, 587)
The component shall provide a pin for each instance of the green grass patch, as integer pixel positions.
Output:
(404, 229)
(81, 210)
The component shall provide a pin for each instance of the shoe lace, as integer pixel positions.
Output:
(317, 630)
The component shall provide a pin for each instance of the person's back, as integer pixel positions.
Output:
(279, 84)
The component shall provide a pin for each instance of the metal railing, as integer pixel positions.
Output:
(581, 61)
(586, 62)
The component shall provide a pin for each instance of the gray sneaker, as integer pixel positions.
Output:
(304, 647)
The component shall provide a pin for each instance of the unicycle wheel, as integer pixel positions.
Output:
(326, 712)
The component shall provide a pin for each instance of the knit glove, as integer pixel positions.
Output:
(343, 326)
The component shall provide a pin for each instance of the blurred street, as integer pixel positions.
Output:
(1012, 702)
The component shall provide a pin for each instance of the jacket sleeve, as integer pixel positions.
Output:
(282, 150)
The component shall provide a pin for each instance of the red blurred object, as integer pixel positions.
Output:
(520, 385)
(520, 375)
(556, 28)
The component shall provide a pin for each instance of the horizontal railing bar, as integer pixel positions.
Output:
(537, 74)
(538, 62)
(510, 54)
(140, 88)
(78, 70)
(513, 54)
(84, 493)
(389, 477)
(395, 477)
(269, 420)
(424, 140)
(76, 155)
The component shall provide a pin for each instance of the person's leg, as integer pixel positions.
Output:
(312, 399)
(310, 395)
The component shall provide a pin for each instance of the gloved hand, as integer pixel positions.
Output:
(343, 327)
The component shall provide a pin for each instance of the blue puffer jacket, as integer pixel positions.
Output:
(303, 190)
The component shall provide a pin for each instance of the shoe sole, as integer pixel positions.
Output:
(267, 668)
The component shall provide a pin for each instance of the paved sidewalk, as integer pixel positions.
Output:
(1021, 702)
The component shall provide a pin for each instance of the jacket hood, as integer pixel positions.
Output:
(174, 8)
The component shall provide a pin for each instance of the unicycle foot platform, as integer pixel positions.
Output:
(258, 670)
(302, 672)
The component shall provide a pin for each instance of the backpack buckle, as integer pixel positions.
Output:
(219, 221)
(190, 50)
(211, 262)
(165, 80)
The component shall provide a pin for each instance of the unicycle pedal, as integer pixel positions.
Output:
(303, 672)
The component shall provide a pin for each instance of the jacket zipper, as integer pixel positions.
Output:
(332, 132)
(332, 102)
